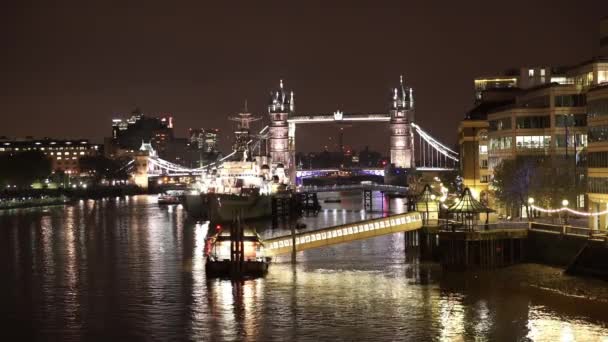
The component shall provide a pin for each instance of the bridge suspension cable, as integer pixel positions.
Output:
(432, 153)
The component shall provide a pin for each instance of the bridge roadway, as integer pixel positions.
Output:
(373, 187)
(345, 233)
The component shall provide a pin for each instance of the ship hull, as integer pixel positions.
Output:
(223, 208)
(223, 268)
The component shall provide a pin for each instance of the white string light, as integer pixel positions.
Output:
(575, 212)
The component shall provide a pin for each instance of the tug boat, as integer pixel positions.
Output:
(218, 254)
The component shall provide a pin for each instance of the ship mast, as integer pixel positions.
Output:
(242, 133)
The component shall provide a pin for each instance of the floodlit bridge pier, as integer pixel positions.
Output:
(344, 233)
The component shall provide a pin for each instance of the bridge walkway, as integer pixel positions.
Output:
(345, 233)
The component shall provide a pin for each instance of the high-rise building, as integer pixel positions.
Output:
(128, 134)
(205, 139)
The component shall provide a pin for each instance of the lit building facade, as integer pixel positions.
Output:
(597, 155)
(538, 123)
(473, 143)
(64, 154)
(541, 111)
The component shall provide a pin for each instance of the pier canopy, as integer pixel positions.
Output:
(466, 211)
(428, 205)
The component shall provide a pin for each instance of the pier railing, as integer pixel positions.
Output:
(452, 225)
(586, 232)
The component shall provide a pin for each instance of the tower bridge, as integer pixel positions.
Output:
(410, 146)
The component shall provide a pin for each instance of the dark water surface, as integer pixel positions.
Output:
(127, 269)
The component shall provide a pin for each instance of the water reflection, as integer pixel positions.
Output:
(129, 269)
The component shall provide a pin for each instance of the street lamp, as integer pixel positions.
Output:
(565, 205)
(441, 205)
(530, 204)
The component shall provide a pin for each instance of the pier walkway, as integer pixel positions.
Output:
(355, 187)
(344, 233)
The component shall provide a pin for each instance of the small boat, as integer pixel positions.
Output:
(332, 200)
(218, 253)
(170, 197)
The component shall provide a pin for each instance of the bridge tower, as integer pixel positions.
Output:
(140, 172)
(281, 134)
(401, 119)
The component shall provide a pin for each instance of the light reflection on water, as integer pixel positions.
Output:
(127, 268)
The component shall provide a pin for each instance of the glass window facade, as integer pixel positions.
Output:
(500, 124)
(501, 143)
(584, 80)
(533, 141)
(580, 139)
(597, 134)
(597, 185)
(602, 75)
(576, 120)
(536, 102)
(597, 108)
(573, 100)
(597, 159)
(542, 121)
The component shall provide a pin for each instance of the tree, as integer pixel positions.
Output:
(23, 169)
(452, 181)
(547, 179)
(516, 180)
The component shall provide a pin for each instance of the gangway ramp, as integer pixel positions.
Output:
(344, 233)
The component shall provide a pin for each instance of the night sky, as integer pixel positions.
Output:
(66, 69)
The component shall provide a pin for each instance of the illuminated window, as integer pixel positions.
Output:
(531, 72)
(535, 141)
(602, 76)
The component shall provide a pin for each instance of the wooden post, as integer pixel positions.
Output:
(293, 243)
(466, 253)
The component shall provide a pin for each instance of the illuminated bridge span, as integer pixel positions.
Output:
(410, 146)
(345, 233)
(314, 173)
(370, 187)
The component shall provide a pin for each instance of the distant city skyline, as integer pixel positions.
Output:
(68, 69)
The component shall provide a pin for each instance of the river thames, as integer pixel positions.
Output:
(128, 269)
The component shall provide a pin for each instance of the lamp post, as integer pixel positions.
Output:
(427, 207)
(441, 204)
(530, 204)
(565, 205)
